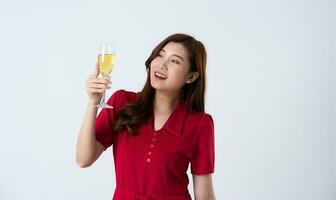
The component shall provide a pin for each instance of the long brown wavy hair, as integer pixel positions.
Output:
(139, 111)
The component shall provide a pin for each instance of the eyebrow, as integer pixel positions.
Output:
(174, 55)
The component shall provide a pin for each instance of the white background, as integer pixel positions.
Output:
(271, 91)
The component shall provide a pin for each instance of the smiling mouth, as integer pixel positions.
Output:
(161, 76)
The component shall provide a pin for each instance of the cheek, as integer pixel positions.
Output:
(154, 62)
(152, 66)
(178, 76)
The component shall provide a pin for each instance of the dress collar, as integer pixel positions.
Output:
(175, 121)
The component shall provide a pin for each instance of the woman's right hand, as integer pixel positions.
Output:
(96, 86)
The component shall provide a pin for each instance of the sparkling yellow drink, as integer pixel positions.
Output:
(106, 63)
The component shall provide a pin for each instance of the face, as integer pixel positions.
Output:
(169, 71)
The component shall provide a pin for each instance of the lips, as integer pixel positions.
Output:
(160, 75)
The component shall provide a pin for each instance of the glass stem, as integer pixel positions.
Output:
(103, 98)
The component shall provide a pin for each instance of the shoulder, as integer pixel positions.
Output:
(202, 118)
(205, 124)
(199, 124)
(120, 97)
(128, 95)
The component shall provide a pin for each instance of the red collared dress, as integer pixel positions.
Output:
(154, 163)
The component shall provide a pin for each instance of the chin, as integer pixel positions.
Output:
(156, 87)
(155, 84)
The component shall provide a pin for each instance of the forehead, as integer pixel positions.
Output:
(175, 48)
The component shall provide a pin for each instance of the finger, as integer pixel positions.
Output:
(99, 91)
(98, 80)
(96, 86)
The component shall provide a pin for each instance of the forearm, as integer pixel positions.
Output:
(210, 196)
(203, 187)
(86, 142)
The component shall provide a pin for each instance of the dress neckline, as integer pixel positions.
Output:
(168, 119)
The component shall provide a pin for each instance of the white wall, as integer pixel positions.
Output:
(271, 91)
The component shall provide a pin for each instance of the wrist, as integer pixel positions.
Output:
(92, 104)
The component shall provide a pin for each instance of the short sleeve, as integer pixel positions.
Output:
(103, 125)
(203, 156)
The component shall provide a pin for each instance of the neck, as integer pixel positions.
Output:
(165, 103)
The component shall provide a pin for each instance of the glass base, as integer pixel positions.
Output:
(104, 105)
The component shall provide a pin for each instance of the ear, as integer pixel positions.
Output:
(192, 77)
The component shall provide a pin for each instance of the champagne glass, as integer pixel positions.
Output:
(106, 60)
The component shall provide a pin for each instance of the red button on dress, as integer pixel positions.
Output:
(153, 164)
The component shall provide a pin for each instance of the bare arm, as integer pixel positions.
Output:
(88, 149)
(203, 187)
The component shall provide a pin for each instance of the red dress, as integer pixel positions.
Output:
(154, 163)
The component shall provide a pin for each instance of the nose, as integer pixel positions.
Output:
(163, 64)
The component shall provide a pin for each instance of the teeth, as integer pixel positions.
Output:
(160, 75)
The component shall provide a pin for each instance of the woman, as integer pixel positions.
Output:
(157, 132)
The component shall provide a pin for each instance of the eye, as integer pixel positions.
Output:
(175, 61)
